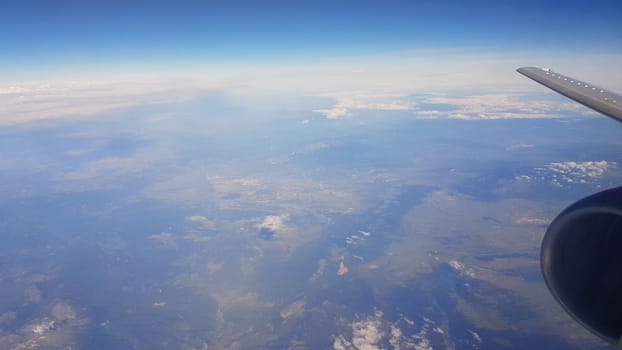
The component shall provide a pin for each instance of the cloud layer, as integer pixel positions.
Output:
(381, 82)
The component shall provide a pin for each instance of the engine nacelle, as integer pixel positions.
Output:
(581, 260)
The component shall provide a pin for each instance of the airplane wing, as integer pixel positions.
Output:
(594, 97)
(580, 254)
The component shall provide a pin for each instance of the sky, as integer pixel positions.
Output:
(253, 148)
(115, 54)
(47, 35)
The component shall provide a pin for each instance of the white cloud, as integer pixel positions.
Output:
(165, 239)
(396, 334)
(247, 186)
(340, 343)
(203, 222)
(561, 174)
(570, 170)
(508, 105)
(476, 337)
(159, 304)
(345, 104)
(28, 102)
(458, 266)
(356, 240)
(423, 343)
(429, 114)
(274, 223)
(367, 334)
(520, 146)
(59, 330)
(531, 221)
(395, 74)
(372, 332)
(498, 106)
(43, 327)
(334, 113)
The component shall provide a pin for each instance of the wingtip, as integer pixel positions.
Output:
(523, 70)
(532, 70)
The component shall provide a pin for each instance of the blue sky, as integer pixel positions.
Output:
(61, 33)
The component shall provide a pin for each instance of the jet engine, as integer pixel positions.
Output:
(581, 261)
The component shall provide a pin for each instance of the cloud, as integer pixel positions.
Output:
(422, 341)
(334, 113)
(395, 73)
(274, 223)
(520, 146)
(159, 304)
(293, 310)
(28, 102)
(366, 335)
(486, 106)
(429, 114)
(561, 174)
(246, 186)
(476, 337)
(356, 240)
(571, 171)
(61, 329)
(165, 239)
(344, 105)
(458, 266)
(531, 221)
(373, 332)
(43, 327)
(203, 222)
(396, 334)
(497, 106)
